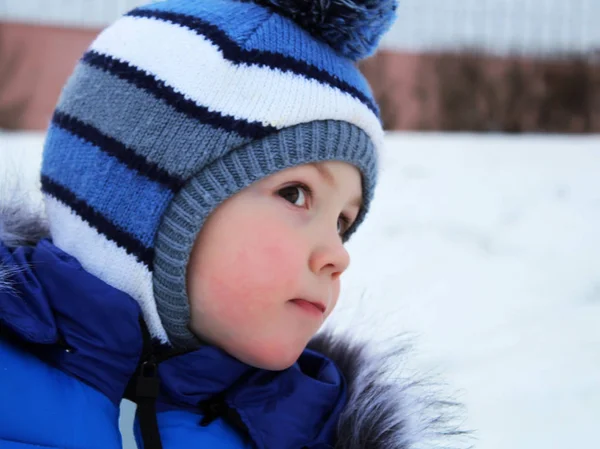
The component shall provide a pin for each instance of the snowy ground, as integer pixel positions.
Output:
(487, 250)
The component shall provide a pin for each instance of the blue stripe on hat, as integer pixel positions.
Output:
(261, 47)
(266, 39)
(99, 180)
(241, 20)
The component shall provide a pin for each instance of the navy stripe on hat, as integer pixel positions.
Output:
(116, 149)
(162, 91)
(186, 143)
(99, 222)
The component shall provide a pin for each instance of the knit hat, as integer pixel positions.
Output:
(182, 103)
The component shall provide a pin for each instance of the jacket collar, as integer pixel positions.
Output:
(297, 407)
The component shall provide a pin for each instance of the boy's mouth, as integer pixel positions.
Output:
(310, 306)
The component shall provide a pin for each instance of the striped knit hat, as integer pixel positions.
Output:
(181, 104)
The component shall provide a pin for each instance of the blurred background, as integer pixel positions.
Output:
(474, 65)
(483, 243)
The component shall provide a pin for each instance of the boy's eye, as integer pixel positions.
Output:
(342, 225)
(295, 194)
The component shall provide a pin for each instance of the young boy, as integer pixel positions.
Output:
(205, 164)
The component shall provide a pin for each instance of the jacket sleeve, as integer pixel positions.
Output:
(40, 405)
(181, 429)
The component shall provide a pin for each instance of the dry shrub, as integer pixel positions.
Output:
(484, 93)
(13, 110)
(376, 72)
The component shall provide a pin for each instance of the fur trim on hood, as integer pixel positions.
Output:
(384, 410)
(21, 223)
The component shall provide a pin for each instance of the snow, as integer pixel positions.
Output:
(485, 249)
(488, 249)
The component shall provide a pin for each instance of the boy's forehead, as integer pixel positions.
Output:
(325, 172)
(328, 173)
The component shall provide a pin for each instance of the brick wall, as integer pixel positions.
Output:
(476, 92)
(35, 62)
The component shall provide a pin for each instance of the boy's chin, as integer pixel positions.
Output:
(271, 358)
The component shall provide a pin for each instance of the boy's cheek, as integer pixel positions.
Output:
(334, 297)
(268, 261)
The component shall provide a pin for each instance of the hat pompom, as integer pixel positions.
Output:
(351, 27)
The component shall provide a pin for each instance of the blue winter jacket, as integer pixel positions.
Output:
(70, 346)
(71, 343)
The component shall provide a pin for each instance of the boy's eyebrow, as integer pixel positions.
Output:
(330, 179)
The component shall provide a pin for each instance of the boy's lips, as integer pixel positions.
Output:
(315, 307)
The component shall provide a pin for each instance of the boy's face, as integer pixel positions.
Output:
(265, 270)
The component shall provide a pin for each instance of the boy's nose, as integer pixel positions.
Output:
(329, 258)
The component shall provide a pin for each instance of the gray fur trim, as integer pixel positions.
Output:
(5, 276)
(385, 410)
(21, 223)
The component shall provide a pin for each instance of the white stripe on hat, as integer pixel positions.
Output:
(196, 68)
(109, 262)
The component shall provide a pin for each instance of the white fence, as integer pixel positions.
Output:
(69, 13)
(496, 26)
